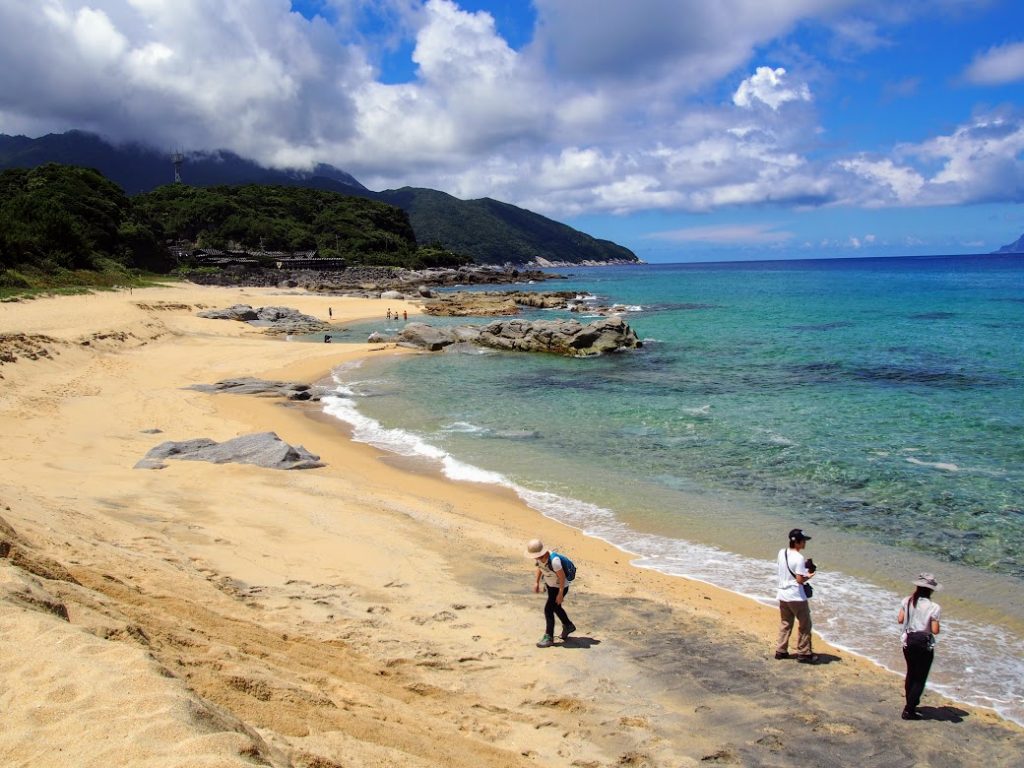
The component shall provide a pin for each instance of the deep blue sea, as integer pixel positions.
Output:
(876, 403)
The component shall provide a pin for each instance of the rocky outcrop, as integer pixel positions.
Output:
(246, 385)
(276, 320)
(504, 303)
(264, 449)
(372, 281)
(548, 263)
(561, 337)
(495, 303)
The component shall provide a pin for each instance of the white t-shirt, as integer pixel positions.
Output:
(918, 618)
(789, 589)
(550, 574)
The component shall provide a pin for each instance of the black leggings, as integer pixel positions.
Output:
(919, 662)
(552, 609)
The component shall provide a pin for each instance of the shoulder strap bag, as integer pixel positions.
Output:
(918, 639)
(808, 589)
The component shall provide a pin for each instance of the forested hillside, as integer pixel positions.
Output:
(275, 218)
(494, 232)
(487, 230)
(56, 220)
(59, 222)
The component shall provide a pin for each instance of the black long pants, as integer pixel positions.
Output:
(552, 609)
(919, 663)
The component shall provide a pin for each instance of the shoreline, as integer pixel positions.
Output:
(363, 613)
(867, 632)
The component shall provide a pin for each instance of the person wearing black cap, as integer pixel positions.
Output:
(794, 572)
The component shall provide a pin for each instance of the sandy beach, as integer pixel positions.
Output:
(366, 613)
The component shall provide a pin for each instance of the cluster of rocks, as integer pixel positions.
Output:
(495, 303)
(501, 303)
(276, 320)
(561, 337)
(247, 385)
(264, 449)
(370, 282)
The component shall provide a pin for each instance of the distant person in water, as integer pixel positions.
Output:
(549, 568)
(920, 619)
(405, 315)
(794, 571)
(389, 313)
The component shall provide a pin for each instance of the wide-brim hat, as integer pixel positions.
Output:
(927, 581)
(535, 549)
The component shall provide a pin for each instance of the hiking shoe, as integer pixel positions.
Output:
(809, 658)
(545, 642)
(567, 629)
(781, 655)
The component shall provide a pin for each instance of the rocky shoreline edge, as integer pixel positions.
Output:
(370, 282)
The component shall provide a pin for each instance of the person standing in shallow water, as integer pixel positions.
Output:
(794, 571)
(549, 568)
(920, 619)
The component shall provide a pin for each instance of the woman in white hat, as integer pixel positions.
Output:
(920, 619)
(550, 568)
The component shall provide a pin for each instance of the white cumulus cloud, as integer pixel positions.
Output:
(998, 65)
(769, 86)
(608, 107)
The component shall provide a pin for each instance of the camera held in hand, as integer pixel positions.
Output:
(809, 564)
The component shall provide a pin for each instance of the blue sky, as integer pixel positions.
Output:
(686, 130)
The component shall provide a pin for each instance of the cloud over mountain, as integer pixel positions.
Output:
(672, 105)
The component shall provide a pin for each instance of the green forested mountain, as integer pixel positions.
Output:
(59, 219)
(487, 230)
(276, 218)
(494, 232)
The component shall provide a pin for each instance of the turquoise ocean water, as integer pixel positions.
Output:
(876, 403)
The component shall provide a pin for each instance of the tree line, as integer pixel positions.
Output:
(60, 221)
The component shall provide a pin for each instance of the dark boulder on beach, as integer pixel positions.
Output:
(276, 320)
(264, 449)
(248, 385)
(243, 313)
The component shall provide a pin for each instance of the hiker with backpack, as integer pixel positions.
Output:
(557, 571)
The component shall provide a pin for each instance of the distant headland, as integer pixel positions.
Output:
(1017, 246)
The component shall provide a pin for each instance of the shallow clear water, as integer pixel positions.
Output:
(878, 404)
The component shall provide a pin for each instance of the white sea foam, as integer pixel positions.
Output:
(980, 667)
(464, 427)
